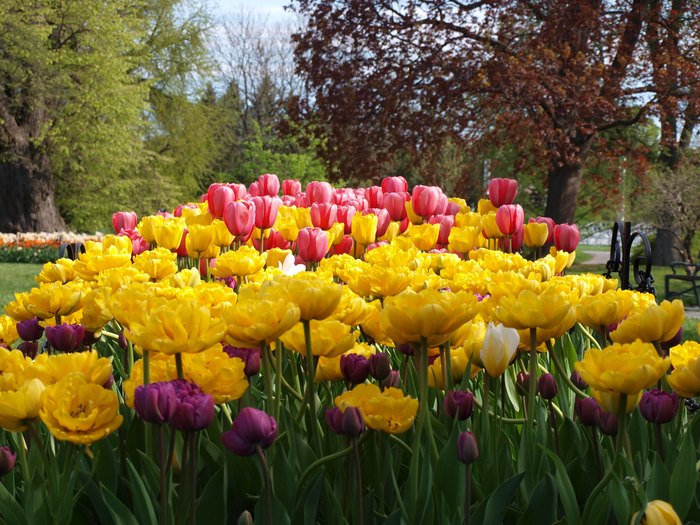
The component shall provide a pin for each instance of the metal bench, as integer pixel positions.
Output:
(687, 273)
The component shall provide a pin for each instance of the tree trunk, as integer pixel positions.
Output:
(563, 184)
(27, 202)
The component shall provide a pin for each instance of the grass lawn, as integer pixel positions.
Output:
(16, 277)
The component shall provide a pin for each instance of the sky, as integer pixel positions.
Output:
(274, 9)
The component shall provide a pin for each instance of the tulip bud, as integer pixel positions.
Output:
(379, 366)
(547, 386)
(394, 185)
(65, 337)
(586, 410)
(522, 383)
(155, 402)
(124, 220)
(7, 460)
(355, 368)
(550, 227)
(252, 428)
(426, 200)
(269, 184)
(348, 423)
(458, 403)
(566, 237)
(121, 341)
(375, 196)
(312, 244)
(502, 191)
(291, 187)
(249, 356)
(658, 406)
(30, 330)
(246, 518)
(30, 349)
(405, 348)
(607, 422)
(467, 448)
(509, 218)
(657, 512)
(239, 217)
(393, 380)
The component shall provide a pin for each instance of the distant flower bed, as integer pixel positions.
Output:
(39, 247)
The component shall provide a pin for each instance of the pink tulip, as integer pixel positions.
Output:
(218, 199)
(513, 243)
(239, 217)
(566, 237)
(502, 191)
(394, 185)
(426, 200)
(182, 249)
(344, 246)
(318, 191)
(269, 184)
(509, 218)
(290, 187)
(138, 243)
(312, 244)
(323, 214)
(345, 215)
(383, 219)
(395, 204)
(446, 223)
(273, 240)
(254, 189)
(266, 211)
(550, 226)
(375, 196)
(124, 220)
(452, 208)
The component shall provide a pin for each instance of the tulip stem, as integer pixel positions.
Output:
(468, 496)
(659, 440)
(178, 366)
(163, 476)
(358, 480)
(146, 367)
(533, 376)
(485, 412)
(589, 336)
(25, 464)
(279, 353)
(262, 241)
(446, 362)
(193, 476)
(267, 484)
(310, 394)
(622, 424)
(267, 375)
(562, 373)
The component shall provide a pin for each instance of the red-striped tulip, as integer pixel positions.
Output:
(502, 191)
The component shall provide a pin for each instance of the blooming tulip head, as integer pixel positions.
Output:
(266, 211)
(498, 350)
(239, 218)
(566, 237)
(252, 429)
(124, 220)
(535, 234)
(346, 423)
(155, 402)
(509, 218)
(502, 191)
(269, 184)
(318, 191)
(291, 187)
(323, 214)
(657, 512)
(312, 244)
(395, 204)
(65, 337)
(658, 406)
(194, 409)
(550, 227)
(219, 198)
(394, 185)
(426, 200)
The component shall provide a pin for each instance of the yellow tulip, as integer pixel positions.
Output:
(351, 310)
(685, 378)
(372, 325)
(535, 234)
(216, 374)
(17, 309)
(600, 310)
(287, 226)
(94, 262)
(489, 225)
(275, 257)
(484, 206)
(458, 366)
(468, 219)
(364, 228)
(221, 236)
(656, 323)
(63, 270)
(199, 239)
(410, 317)
(499, 348)
(622, 368)
(531, 310)
(20, 407)
(316, 298)
(610, 401)
(8, 330)
(13, 364)
(50, 369)
(390, 411)
(376, 281)
(168, 233)
(158, 264)
(52, 299)
(80, 412)
(329, 338)
(186, 278)
(463, 239)
(424, 236)
(657, 512)
(239, 263)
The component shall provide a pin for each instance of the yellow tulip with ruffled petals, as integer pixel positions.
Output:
(410, 317)
(239, 263)
(186, 278)
(622, 368)
(168, 233)
(656, 323)
(376, 281)
(685, 378)
(550, 333)
(20, 407)
(315, 297)
(372, 325)
(531, 310)
(55, 299)
(351, 310)
(463, 239)
(390, 411)
(610, 401)
(468, 219)
(13, 364)
(258, 317)
(158, 264)
(177, 326)
(484, 206)
(424, 236)
(80, 412)
(63, 270)
(8, 330)
(600, 310)
(329, 338)
(287, 226)
(96, 312)
(50, 369)
(17, 309)
(148, 225)
(216, 374)
(328, 368)
(95, 261)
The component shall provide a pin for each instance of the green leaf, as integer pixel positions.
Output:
(542, 507)
(499, 501)
(450, 473)
(212, 504)
(659, 479)
(306, 509)
(683, 478)
(143, 502)
(564, 489)
(11, 512)
(620, 500)
(120, 513)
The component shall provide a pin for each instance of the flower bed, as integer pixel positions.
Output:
(38, 248)
(361, 353)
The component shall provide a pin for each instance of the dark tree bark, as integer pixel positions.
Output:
(563, 184)
(27, 199)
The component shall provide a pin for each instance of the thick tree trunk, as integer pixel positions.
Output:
(27, 200)
(563, 185)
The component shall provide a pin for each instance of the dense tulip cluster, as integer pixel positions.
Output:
(389, 307)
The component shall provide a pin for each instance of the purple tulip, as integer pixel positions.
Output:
(522, 383)
(249, 356)
(155, 402)
(658, 406)
(379, 366)
(607, 422)
(458, 403)
(578, 381)
(467, 448)
(349, 423)
(7, 460)
(194, 410)
(66, 337)
(29, 348)
(587, 411)
(355, 368)
(392, 380)
(252, 428)
(30, 330)
(547, 386)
